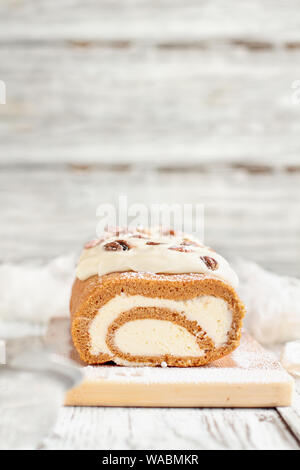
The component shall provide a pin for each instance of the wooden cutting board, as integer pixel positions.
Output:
(248, 377)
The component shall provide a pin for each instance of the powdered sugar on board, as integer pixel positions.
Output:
(248, 364)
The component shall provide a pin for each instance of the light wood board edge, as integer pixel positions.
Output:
(100, 393)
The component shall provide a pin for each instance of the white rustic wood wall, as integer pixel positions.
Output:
(162, 100)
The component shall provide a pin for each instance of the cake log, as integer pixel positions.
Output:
(137, 318)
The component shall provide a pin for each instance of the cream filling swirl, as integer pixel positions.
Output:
(211, 313)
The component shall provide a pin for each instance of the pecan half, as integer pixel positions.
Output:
(187, 242)
(211, 263)
(142, 229)
(117, 245)
(116, 231)
(182, 249)
(170, 232)
(93, 243)
(138, 235)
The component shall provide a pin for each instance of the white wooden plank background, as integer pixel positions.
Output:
(91, 104)
(276, 21)
(151, 81)
(47, 213)
(165, 101)
(135, 91)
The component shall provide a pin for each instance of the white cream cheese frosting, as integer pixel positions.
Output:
(153, 253)
(148, 337)
(211, 313)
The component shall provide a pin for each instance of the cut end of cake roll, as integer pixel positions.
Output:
(122, 311)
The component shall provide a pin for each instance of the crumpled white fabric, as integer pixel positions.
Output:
(34, 292)
(272, 303)
(290, 357)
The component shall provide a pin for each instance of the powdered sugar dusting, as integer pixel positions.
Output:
(148, 375)
(253, 356)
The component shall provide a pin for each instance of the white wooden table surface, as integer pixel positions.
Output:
(167, 428)
(165, 101)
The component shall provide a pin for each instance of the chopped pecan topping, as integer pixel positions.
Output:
(143, 230)
(93, 243)
(182, 249)
(117, 245)
(188, 242)
(138, 235)
(170, 232)
(153, 243)
(211, 263)
(116, 231)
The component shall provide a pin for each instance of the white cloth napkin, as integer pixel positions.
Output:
(272, 302)
(290, 358)
(34, 292)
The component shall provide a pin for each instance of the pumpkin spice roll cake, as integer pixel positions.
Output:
(142, 297)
